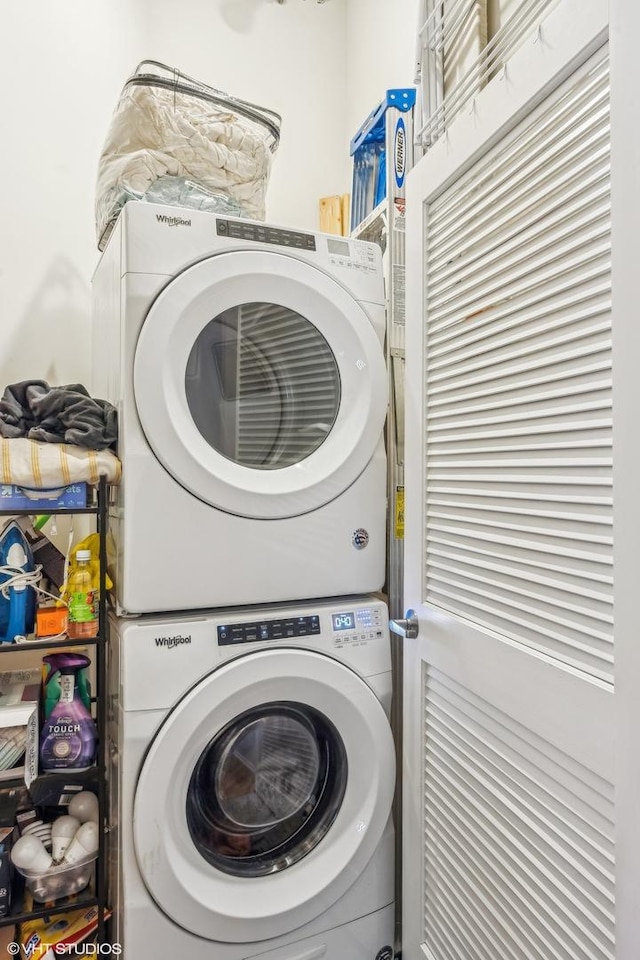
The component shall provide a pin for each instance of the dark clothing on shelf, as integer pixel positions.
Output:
(66, 414)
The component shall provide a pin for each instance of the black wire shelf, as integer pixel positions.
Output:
(43, 643)
(23, 906)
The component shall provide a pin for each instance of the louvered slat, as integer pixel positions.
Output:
(518, 505)
(535, 146)
(519, 849)
(283, 423)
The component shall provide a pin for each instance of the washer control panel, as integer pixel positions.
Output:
(345, 626)
(284, 628)
(357, 626)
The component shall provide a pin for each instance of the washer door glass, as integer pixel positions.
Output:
(262, 385)
(266, 789)
(254, 812)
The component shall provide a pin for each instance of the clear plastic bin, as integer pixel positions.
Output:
(62, 881)
(175, 140)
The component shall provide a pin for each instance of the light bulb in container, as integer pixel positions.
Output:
(63, 831)
(84, 806)
(84, 843)
(29, 853)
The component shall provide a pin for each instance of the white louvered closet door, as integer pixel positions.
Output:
(509, 762)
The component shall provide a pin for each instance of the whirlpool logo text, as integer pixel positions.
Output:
(170, 642)
(172, 221)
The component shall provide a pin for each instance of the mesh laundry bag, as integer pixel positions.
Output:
(175, 140)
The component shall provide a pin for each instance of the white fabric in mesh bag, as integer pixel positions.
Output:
(157, 133)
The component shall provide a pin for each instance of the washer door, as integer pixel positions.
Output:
(260, 384)
(264, 795)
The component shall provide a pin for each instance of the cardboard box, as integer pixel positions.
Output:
(20, 684)
(51, 621)
(58, 789)
(58, 933)
(23, 498)
(18, 715)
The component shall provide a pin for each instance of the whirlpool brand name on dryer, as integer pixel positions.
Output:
(170, 642)
(172, 221)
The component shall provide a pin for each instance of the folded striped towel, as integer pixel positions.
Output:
(47, 466)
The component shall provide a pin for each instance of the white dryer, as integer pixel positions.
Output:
(246, 363)
(252, 775)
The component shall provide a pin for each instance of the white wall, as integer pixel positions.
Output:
(58, 73)
(290, 57)
(381, 44)
(499, 11)
(63, 65)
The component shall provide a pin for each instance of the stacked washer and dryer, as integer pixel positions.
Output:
(252, 760)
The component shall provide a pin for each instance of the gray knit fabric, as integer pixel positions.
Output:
(66, 414)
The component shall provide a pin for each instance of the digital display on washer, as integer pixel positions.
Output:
(260, 630)
(343, 621)
(261, 233)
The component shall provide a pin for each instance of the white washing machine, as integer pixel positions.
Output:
(246, 363)
(252, 775)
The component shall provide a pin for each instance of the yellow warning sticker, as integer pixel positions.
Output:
(399, 524)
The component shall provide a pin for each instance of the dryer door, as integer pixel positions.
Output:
(264, 795)
(260, 384)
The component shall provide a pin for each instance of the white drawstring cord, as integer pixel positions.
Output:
(18, 579)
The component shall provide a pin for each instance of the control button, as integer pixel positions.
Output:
(276, 634)
(290, 632)
(250, 637)
(378, 633)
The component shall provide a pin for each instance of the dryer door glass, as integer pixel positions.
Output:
(266, 789)
(262, 385)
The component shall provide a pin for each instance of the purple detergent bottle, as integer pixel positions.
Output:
(68, 737)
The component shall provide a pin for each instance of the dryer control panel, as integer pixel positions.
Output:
(262, 233)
